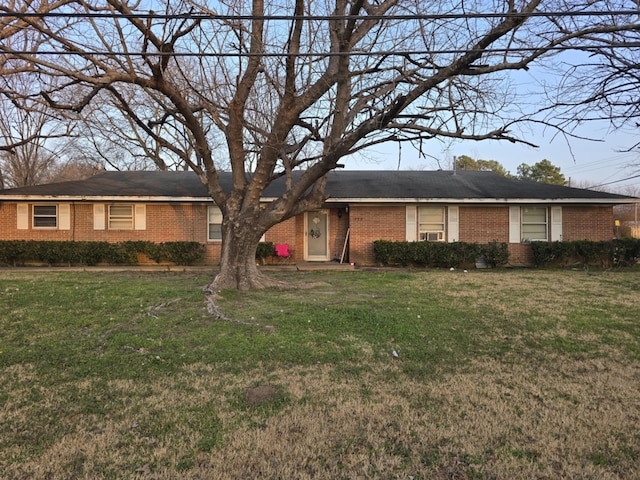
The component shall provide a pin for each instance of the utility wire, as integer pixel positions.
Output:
(594, 165)
(354, 53)
(214, 16)
(615, 181)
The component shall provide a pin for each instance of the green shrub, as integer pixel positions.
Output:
(439, 254)
(180, 253)
(626, 251)
(264, 250)
(11, 251)
(18, 252)
(593, 253)
(184, 253)
(618, 252)
(494, 253)
(383, 252)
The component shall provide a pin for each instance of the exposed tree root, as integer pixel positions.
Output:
(244, 283)
(153, 311)
(244, 277)
(241, 282)
(214, 309)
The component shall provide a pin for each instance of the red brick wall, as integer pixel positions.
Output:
(371, 223)
(187, 222)
(587, 223)
(287, 232)
(339, 223)
(9, 231)
(165, 223)
(520, 254)
(484, 224)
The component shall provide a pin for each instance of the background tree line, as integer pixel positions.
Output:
(543, 171)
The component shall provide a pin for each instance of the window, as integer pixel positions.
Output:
(45, 216)
(215, 224)
(534, 223)
(431, 224)
(120, 217)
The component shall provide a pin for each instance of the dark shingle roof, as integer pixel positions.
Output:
(121, 184)
(355, 185)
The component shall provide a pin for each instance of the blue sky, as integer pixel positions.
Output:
(585, 162)
(591, 162)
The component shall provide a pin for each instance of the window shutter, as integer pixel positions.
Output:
(98, 217)
(452, 227)
(140, 220)
(556, 224)
(411, 228)
(64, 212)
(514, 224)
(23, 216)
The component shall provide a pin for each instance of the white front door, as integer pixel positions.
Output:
(316, 236)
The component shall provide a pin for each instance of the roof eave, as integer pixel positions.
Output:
(487, 201)
(102, 198)
(354, 200)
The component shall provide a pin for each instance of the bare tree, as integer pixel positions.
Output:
(30, 143)
(602, 84)
(29, 130)
(296, 85)
(111, 141)
(74, 168)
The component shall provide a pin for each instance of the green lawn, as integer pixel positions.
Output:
(499, 374)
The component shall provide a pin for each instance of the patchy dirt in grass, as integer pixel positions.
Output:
(260, 394)
(530, 411)
(567, 418)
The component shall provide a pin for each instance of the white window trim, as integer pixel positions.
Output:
(556, 224)
(64, 216)
(453, 223)
(514, 225)
(112, 218)
(546, 224)
(219, 212)
(440, 234)
(98, 217)
(140, 216)
(34, 216)
(411, 223)
(22, 212)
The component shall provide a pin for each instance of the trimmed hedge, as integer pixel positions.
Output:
(620, 252)
(19, 252)
(439, 254)
(265, 250)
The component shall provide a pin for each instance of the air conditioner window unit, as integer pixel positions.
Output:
(432, 236)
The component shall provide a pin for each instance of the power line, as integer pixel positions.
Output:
(214, 16)
(616, 181)
(594, 165)
(353, 53)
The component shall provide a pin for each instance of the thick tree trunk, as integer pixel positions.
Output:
(238, 268)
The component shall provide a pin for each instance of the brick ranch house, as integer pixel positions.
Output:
(363, 206)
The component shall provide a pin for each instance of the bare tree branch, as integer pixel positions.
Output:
(239, 88)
